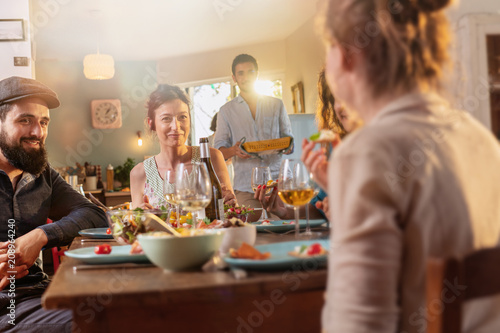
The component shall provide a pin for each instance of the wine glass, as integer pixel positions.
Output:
(308, 234)
(295, 187)
(260, 176)
(169, 193)
(193, 189)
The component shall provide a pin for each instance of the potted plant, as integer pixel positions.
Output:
(122, 172)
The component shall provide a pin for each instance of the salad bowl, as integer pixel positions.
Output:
(181, 253)
(126, 224)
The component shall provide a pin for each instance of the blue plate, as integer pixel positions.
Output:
(278, 226)
(280, 259)
(99, 233)
(119, 254)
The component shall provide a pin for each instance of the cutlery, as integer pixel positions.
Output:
(238, 273)
(218, 264)
(119, 206)
(97, 240)
(165, 225)
(97, 202)
(108, 266)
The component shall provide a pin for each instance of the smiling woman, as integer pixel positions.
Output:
(168, 117)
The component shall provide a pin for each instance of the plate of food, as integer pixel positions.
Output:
(308, 254)
(105, 254)
(98, 233)
(285, 225)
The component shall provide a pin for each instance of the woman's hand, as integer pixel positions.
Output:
(228, 195)
(272, 203)
(145, 204)
(323, 205)
(316, 162)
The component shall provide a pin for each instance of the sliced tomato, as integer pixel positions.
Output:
(102, 249)
(314, 249)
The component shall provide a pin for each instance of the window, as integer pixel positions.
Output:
(207, 99)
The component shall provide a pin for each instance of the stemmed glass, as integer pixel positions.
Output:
(295, 187)
(169, 192)
(193, 189)
(308, 234)
(260, 176)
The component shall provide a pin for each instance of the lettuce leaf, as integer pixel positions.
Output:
(315, 136)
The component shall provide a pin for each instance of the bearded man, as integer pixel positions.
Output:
(30, 193)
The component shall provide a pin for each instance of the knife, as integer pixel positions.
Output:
(108, 266)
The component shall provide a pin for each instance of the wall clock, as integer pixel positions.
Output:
(106, 113)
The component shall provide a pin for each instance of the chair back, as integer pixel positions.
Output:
(451, 282)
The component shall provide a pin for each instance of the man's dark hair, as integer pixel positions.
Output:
(244, 58)
(4, 108)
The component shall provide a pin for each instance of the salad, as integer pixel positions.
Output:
(240, 212)
(304, 251)
(127, 224)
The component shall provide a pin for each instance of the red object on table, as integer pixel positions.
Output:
(56, 254)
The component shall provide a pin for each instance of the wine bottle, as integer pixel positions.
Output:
(215, 209)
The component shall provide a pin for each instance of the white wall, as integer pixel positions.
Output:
(468, 81)
(304, 59)
(464, 7)
(217, 64)
(297, 58)
(15, 9)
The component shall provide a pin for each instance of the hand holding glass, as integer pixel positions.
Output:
(260, 176)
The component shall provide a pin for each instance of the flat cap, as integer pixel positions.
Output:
(15, 88)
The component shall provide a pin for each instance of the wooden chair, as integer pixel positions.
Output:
(450, 282)
(57, 253)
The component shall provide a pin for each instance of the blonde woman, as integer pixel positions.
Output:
(420, 179)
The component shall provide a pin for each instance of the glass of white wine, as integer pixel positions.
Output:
(295, 187)
(260, 176)
(308, 233)
(193, 189)
(169, 193)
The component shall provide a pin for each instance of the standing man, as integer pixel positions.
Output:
(30, 192)
(254, 117)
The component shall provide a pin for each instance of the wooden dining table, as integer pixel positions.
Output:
(148, 299)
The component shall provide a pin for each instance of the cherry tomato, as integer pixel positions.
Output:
(314, 249)
(102, 249)
(108, 231)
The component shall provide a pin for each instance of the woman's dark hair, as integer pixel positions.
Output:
(242, 58)
(164, 93)
(326, 116)
(213, 124)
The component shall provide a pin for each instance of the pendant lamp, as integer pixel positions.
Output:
(98, 66)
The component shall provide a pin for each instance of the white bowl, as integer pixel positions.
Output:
(235, 236)
(181, 253)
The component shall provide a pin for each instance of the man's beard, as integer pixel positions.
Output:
(33, 161)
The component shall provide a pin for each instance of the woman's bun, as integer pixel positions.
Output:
(432, 5)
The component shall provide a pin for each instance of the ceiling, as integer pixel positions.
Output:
(132, 30)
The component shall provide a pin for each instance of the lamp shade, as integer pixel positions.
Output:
(98, 66)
